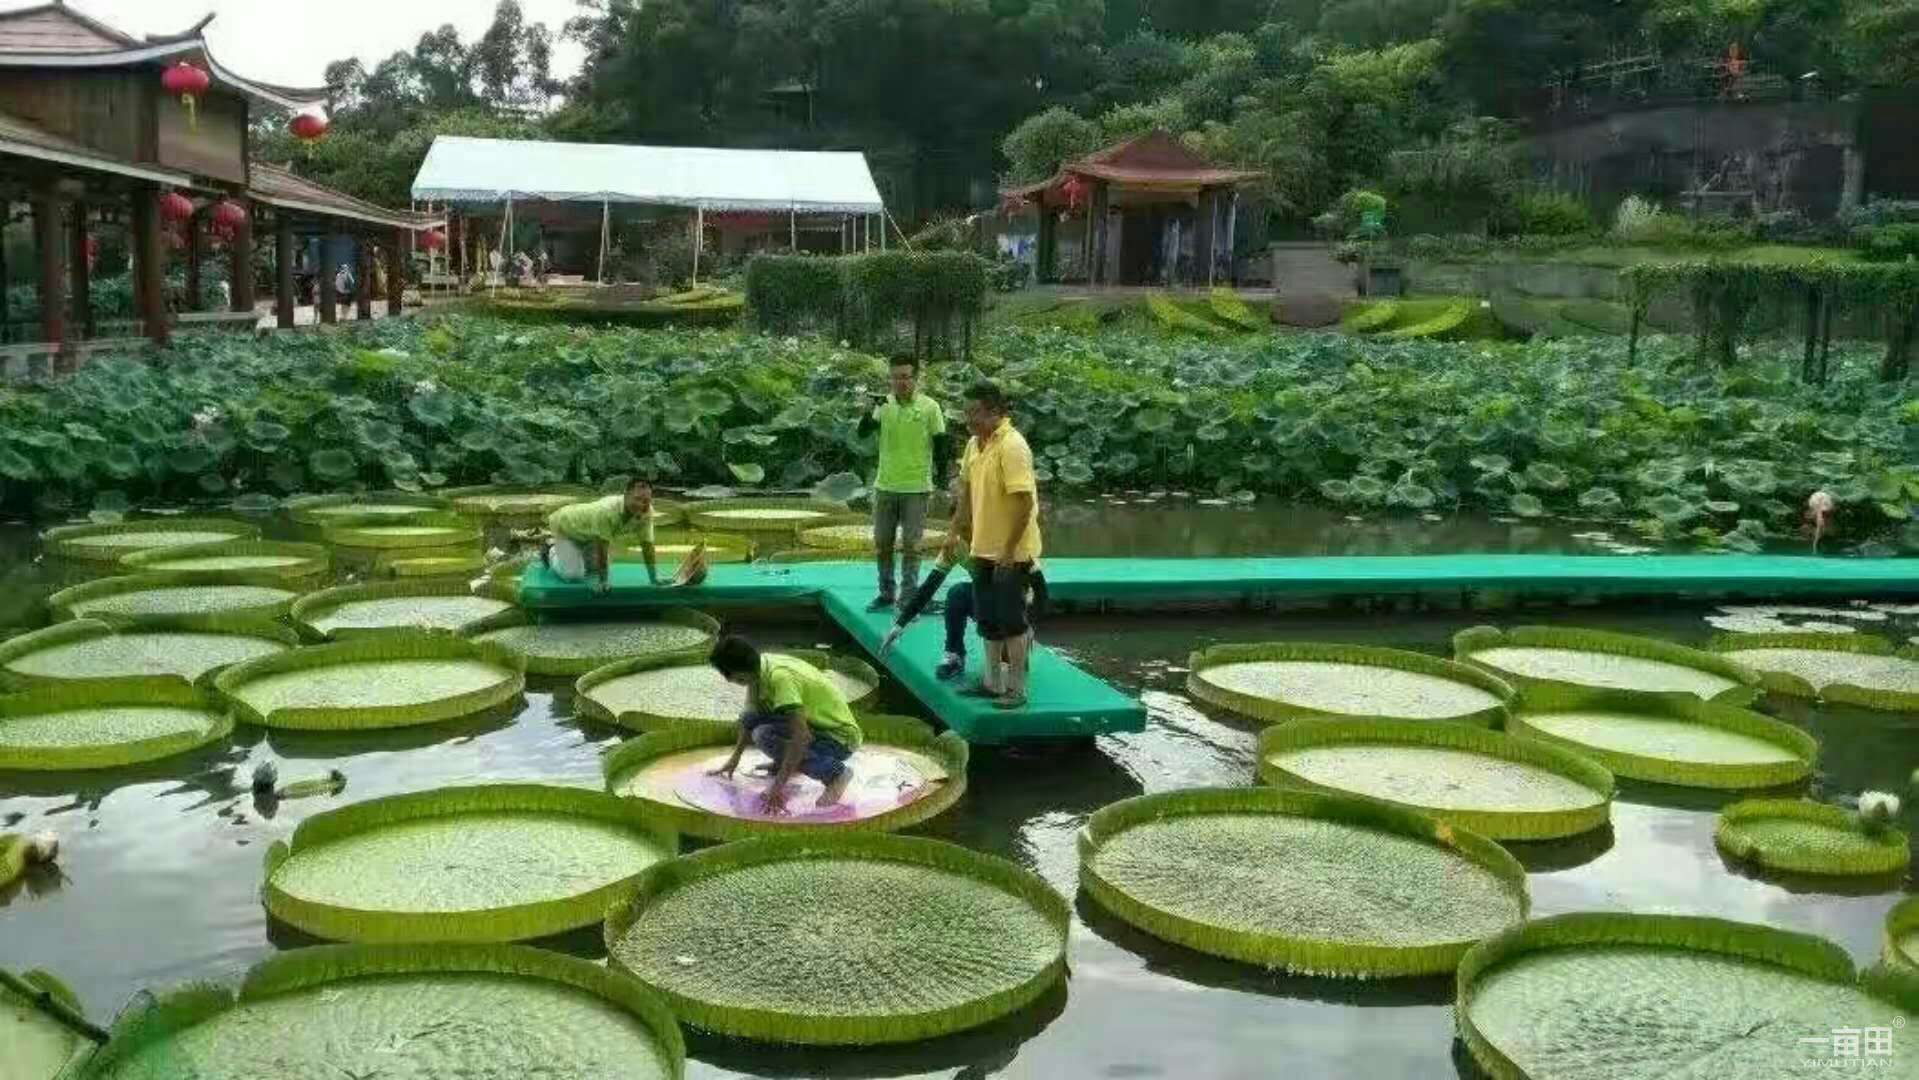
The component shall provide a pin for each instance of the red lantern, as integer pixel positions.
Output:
(188, 82)
(1074, 189)
(175, 206)
(307, 126)
(433, 240)
(229, 216)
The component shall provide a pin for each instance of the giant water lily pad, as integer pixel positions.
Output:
(108, 543)
(104, 725)
(764, 515)
(421, 532)
(376, 681)
(13, 857)
(337, 1011)
(87, 649)
(671, 551)
(897, 939)
(1494, 784)
(903, 774)
(655, 691)
(505, 501)
(575, 648)
(494, 862)
(207, 600)
(354, 610)
(41, 1029)
(1803, 837)
(1285, 679)
(336, 509)
(1902, 934)
(1670, 739)
(1314, 883)
(264, 558)
(1541, 656)
(857, 537)
(1620, 997)
(1851, 669)
(434, 566)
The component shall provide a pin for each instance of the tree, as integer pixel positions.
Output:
(1037, 147)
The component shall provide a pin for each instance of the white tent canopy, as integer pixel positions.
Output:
(461, 169)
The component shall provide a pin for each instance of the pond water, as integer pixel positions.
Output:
(159, 876)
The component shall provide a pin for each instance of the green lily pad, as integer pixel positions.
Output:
(1902, 934)
(575, 648)
(1619, 997)
(266, 558)
(105, 725)
(1534, 656)
(1850, 669)
(206, 600)
(336, 509)
(40, 1026)
(377, 681)
(763, 515)
(506, 501)
(1804, 837)
(1280, 680)
(1319, 884)
(352, 610)
(1493, 784)
(87, 649)
(1671, 739)
(494, 862)
(660, 691)
(902, 939)
(416, 1011)
(402, 535)
(108, 543)
(858, 537)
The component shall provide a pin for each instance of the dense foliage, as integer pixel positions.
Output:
(865, 299)
(1564, 428)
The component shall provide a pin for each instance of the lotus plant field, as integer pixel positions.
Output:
(1560, 429)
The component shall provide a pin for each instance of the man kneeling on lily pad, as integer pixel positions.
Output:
(795, 715)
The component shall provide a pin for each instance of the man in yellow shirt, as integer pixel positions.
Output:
(998, 513)
(912, 430)
(795, 715)
(578, 535)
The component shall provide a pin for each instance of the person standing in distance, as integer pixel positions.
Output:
(912, 430)
(999, 515)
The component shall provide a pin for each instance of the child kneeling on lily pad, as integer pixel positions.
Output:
(795, 715)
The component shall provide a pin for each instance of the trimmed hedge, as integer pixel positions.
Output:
(864, 299)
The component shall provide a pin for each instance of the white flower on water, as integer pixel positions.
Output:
(425, 386)
(1878, 807)
(206, 417)
(43, 846)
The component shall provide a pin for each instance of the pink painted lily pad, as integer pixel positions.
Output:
(885, 778)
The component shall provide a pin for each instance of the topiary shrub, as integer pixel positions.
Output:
(790, 293)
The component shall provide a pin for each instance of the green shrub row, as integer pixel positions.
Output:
(868, 299)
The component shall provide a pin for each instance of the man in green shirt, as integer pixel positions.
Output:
(579, 535)
(913, 438)
(795, 715)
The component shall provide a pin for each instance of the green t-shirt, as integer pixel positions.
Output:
(906, 444)
(786, 682)
(604, 520)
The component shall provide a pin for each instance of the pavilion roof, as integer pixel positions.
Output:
(1155, 161)
(54, 35)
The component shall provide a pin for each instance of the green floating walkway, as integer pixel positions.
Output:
(1066, 701)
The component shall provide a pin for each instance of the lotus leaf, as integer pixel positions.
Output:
(903, 775)
(1538, 656)
(41, 1030)
(1279, 680)
(258, 557)
(208, 599)
(104, 725)
(1320, 884)
(575, 648)
(108, 543)
(435, 1011)
(354, 609)
(375, 681)
(958, 939)
(1499, 786)
(669, 689)
(494, 862)
(87, 649)
(1608, 996)
(1808, 838)
(1669, 739)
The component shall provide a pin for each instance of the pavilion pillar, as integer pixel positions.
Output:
(363, 293)
(1047, 248)
(149, 262)
(79, 274)
(244, 298)
(396, 273)
(1096, 230)
(53, 286)
(283, 269)
(196, 254)
(329, 296)
(1203, 235)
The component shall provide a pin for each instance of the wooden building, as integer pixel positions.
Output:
(93, 129)
(1152, 211)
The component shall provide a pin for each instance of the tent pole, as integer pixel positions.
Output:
(793, 229)
(882, 228)
(699, 239)
(606, 215)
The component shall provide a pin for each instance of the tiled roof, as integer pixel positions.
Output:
(1154, 160)
(56, 28)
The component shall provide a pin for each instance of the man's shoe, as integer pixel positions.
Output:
(1010, 702)
(950, 667)
(881, 603)
(979, 692)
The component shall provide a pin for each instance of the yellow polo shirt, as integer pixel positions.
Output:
(996, 470)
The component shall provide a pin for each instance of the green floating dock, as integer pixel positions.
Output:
(1067, 702)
